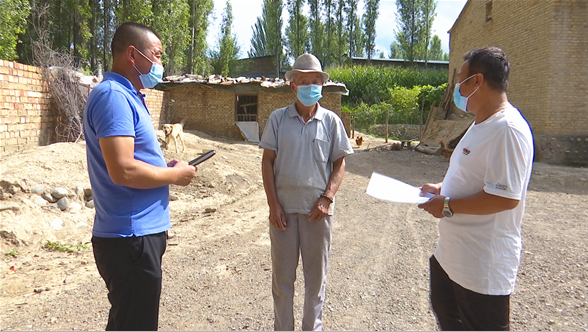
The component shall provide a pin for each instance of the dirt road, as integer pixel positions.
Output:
(217, 268)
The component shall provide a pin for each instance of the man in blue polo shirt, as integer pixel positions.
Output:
(130, 180)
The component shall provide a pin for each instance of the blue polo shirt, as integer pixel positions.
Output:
(116, 108)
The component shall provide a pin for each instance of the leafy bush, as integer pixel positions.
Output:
(403, 104)
(370, 84)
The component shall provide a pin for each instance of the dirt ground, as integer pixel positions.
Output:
(217, 268)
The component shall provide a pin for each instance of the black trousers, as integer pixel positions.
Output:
(459, 309)
(131, 268)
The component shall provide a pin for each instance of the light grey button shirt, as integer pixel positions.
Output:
(305, 154)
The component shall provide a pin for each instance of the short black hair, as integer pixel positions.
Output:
(130, 33)
(490, 62)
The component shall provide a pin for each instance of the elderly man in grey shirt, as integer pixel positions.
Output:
(303, 165)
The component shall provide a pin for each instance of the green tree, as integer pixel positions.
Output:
(80, 36)
(12, 23)
(297, 30)
(410, 34)
(138, 11)
(267, 33)
(224, 58)
(435, 49)
(109, 25)
(354, 31)
(93, 42)
(341, 31)
(329, 9)
(396, 51)
(84, 29)
(317, 29)
(415, 20)
(259, 43)
(428, 10)
(174, 37)
(370, 17)
(359, 37)
(196, 58)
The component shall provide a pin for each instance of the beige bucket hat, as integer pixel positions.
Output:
(306, 63)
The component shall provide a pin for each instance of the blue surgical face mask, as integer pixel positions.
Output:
(154, 76)
(308, 95)
(460, 101)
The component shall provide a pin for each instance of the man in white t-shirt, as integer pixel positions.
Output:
(481, 202)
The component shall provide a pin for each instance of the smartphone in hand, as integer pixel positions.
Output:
(202, 158)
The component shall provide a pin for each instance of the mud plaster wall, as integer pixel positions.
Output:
(214, 111)
(547, 45)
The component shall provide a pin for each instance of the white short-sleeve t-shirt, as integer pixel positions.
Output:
(482, 253)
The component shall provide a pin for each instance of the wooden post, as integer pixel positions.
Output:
(353, 124)
(387, 116)
(421, 122)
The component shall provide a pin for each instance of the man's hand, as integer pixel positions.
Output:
(125, 170)
(434, 206)
(319, 210)
(186, 172)
(431, 188)
(277, 217)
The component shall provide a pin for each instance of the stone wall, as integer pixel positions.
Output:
(547, 45)
(567, 150)
(25, 107)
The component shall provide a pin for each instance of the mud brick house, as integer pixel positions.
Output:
(215, 105)
(547, 44)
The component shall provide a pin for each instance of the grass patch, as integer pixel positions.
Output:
(62, 247)
(12, 253)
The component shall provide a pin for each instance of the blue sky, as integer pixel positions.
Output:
(245, 13)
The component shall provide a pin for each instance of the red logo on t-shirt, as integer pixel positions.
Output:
(466, 151)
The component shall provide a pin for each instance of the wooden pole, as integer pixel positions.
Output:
(387, 116)
(422, 114)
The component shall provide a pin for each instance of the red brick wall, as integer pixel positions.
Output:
(156, 102)
(25, 115)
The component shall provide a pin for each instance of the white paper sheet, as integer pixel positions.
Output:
(389, 189)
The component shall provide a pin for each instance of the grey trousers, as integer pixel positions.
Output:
(312, 239)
